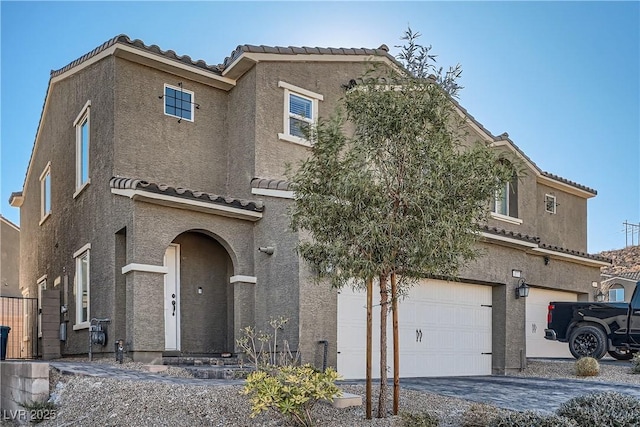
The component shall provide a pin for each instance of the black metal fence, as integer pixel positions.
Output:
(21, 315)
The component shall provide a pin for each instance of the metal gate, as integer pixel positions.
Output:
(21, 315)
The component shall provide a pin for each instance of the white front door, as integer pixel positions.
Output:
(172, 298)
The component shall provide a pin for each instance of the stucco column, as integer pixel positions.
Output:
(244, 305)
(145, 313)
(509, 341)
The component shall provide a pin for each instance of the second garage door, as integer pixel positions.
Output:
(536, 322)
(444, 327)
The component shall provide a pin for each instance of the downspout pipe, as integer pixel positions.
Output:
(325, 343)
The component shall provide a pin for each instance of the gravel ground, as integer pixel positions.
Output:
(86, 401)
(618, 372)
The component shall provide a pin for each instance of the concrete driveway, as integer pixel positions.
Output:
(515, 393)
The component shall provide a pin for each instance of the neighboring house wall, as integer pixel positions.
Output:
(10, 266)
(625, 281)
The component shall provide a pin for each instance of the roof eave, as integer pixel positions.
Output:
(171, 66)
(562, 186)
(246, 60)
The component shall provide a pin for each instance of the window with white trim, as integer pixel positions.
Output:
(300, 114)
(42, 286)
(550, 203)
(505, 201)
(501, 200)
(178, 102)
(616, 293)
(83, 138)
(45, 193)
(82, 287)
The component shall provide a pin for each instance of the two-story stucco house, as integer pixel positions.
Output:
(156, 197)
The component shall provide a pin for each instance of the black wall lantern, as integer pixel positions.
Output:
(599, 296)
(522, 291)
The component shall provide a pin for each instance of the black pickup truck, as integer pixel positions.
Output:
(595, 328)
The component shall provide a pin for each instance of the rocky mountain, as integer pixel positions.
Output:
(625, 260)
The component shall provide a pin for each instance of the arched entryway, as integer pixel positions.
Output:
(198, 309)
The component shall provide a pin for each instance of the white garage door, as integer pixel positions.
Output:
(444, 330)
(536, 322)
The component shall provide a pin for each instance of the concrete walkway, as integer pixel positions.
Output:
(112, 371)
(516, 393)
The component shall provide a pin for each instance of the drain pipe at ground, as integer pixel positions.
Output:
(324, 355)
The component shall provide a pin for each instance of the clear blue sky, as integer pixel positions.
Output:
(562, 78)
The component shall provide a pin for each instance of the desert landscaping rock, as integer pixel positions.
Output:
(119, 397)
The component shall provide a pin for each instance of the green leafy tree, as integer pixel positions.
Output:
(392, 190)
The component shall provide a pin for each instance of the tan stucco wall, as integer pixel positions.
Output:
(10, 262)
(155, 147)
(48, 249)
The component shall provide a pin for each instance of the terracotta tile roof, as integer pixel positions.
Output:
(576, 253)
(510, 234)
(566, 181)
(272, 184)
(305, 50)
(534, 239)
(184, 193)
(139, 44)
(635, 275)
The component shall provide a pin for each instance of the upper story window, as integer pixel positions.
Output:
(82, 125)
(178, 102)
(505, 202)
(501, 200)
(45, 193)
(550, 203)
(616, 293)
(300, 113)
(82, 287)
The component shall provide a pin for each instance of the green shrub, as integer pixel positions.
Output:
(531, 419)
(423, 419)
(606, 409)
(587, 367)
(291, 390)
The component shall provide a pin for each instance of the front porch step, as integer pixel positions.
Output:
(200, 361)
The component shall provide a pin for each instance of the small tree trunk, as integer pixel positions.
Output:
(382, 397)
(369, 346)
(396, 345)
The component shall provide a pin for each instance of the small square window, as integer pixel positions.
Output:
(178, 102)
(550, 203)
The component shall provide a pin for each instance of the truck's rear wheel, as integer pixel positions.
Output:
(588, 341)
(621, 355)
